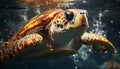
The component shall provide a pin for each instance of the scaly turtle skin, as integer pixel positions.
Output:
(53, 33)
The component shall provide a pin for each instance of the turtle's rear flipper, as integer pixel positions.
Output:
(99, 43)
(12, 48)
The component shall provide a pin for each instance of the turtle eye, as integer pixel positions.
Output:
(69, 15)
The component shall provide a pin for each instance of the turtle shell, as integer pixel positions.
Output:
(38, 20)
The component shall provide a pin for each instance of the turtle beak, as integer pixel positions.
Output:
(84, 14)
(80, 19)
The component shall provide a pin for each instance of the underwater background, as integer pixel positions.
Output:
(104, 17)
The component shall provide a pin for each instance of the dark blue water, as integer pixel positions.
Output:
(105, 13)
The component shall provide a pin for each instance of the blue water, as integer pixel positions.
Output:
(103, 17)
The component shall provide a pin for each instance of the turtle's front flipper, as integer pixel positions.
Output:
(10, 49)
(99, 43)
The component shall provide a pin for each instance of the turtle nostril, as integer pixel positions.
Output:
(84, 12)
(81, 13)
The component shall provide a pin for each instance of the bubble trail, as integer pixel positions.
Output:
(85, 51)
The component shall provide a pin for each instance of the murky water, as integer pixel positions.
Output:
(103, 17)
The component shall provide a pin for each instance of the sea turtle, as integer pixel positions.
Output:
(54, 32)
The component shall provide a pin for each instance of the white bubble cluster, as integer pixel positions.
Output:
(37, 10)
(83, 54)
(98, 25)
(24, 16)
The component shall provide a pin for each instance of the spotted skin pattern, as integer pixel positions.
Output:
(44, 29)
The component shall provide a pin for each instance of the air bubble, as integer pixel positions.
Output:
(111, 21)
(100, 14)
(76, 67)
(84, 1)
(37, 10)
(119, 32)
(112, 29)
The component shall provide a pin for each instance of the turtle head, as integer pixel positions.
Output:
(76, 19)
(69, 23)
